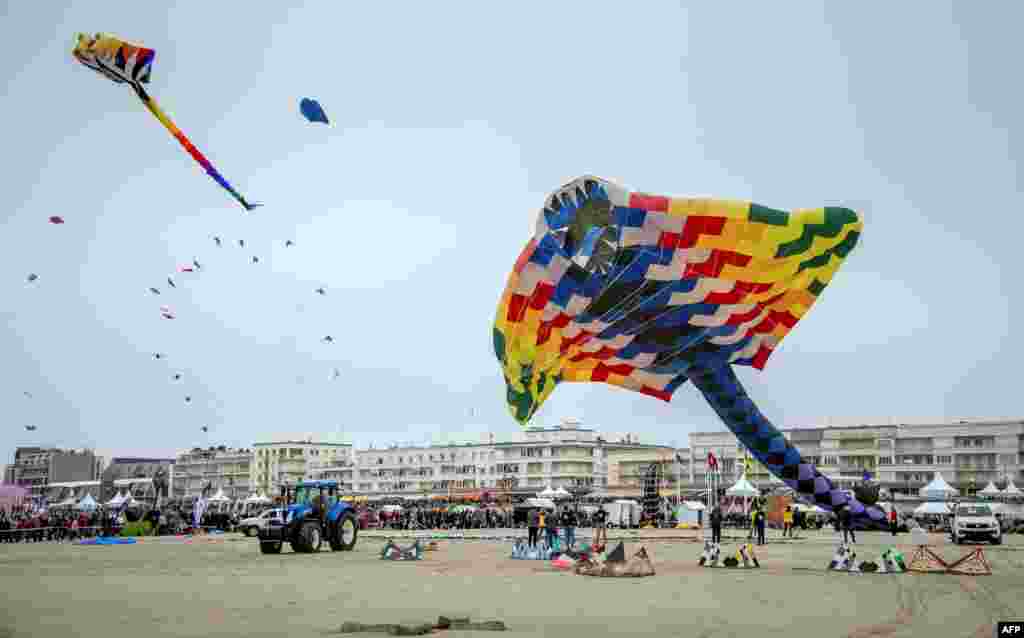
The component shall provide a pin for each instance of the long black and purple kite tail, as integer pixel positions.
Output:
(769, 446)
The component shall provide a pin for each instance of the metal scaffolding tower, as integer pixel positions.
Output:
(649, 491)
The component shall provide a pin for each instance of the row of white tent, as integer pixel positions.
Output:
(939, 490)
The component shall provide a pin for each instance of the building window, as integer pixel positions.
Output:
(944, 460)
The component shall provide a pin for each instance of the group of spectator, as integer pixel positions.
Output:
(428, 518)
(18, 526)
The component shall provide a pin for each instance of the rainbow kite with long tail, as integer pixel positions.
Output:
(130, 64)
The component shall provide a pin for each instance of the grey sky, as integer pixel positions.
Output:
(449, 126)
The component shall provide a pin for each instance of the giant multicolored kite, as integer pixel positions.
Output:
(130, 64)
(646, 292)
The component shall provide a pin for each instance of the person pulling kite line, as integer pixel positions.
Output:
(126, 63)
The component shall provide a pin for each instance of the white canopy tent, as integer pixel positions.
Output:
(219, 497)
(596, 494)
(117, 500)
(1012, 491)
(68, 502)
(990, 490)
(938, 489)
(543, 503)
(547, 493)
(561, 492)
(87, 504)
(742, 488)
(932, 507)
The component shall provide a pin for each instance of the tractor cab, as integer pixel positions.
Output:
(313, 512)
(309, 499)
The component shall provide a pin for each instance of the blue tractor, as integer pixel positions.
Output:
(313, 512)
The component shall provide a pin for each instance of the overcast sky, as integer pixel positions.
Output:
(449, 125)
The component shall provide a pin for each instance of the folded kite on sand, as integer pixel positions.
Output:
(616, 567)
(394, 552)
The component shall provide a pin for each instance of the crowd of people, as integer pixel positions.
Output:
(18, 525)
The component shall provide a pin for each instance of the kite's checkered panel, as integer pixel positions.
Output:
(116, 59)
(639, 290)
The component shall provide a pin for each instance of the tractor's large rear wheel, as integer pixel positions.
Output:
(344, 537)
(308, 539)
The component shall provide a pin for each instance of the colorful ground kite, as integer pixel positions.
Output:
(130, 64)
(646, 292)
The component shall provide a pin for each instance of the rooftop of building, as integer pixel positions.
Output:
(297, 441)
(220, 450)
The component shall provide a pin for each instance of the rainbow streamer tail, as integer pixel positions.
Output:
(192, 150)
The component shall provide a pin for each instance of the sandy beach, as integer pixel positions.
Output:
(225, 587)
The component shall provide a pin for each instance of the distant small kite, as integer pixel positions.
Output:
(312, 111)
(30, 428)
(56, 219)
(31, 277)
(155, 291)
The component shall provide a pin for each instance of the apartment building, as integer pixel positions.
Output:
(36, 467)
(224, 468)
(903, 457)
(567, 455)
(274, 463)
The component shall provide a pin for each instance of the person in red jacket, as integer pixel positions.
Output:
(892, 521)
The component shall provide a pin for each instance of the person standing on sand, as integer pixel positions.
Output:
(542, 523)
(760, 521)
(846, 523)
(569, 523)
(787, 522)
(534, 525)
(716, 524)
(892, 521)
(600, 527)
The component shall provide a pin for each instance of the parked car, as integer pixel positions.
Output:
(252, 526)
(975, 521)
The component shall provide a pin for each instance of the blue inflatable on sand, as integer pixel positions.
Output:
(107, 541)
